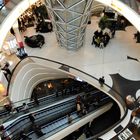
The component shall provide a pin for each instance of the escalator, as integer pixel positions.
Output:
(56, 127)
(43, 116)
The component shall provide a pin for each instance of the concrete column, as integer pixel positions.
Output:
(18, 35)
(70, 18)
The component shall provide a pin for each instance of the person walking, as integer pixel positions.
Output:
(101, 81)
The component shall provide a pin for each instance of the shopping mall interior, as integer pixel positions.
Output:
(69, 69)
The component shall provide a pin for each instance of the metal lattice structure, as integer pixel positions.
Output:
(70, 18)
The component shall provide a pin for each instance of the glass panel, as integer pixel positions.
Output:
(59, 28)
(56, 4)
(71, 16)
(75, 32)
(72, 46)
(79, 8)
(83, 30)
(61, 14)
(63, 43)
(85, 19)
(62, 37)
(63, 26)
(69, 3)
(73, 39)
(76, 22)
(88, 7)
(69, 43)
(81, 38)
(57, 18)
(70, 36)
(70, 28)
(80, 45)
(47, 2)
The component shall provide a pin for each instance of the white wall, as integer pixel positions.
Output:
(28, 77)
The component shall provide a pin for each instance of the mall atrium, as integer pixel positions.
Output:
(70, 69)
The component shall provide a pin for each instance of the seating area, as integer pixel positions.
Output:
(35, 41)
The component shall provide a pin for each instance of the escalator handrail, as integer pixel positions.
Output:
(64, 65)
(57, 105)
(83, 117)
(46, 109)
(29, 122)
(30, 104)
(71, 114)
(125, 108)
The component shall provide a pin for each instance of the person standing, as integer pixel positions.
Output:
(25, 108)
(38, 131)
(7, 71)
(32, 118)
(69, 118)
(24, 136)
(101, 81)
(35, 97)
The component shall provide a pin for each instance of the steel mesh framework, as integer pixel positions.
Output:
(69, 18)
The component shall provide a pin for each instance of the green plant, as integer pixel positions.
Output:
(105, 23)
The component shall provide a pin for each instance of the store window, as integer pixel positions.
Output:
(10, 46)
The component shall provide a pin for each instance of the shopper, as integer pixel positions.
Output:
(7, 71)
(35, 97)
(8, 107)
(102, 81)
(69, 118)
(32, 118)
(25, 108)
(24, 136)
(38, 131)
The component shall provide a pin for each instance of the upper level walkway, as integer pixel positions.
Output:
(11, 4)
(7, 8)
(134, 4)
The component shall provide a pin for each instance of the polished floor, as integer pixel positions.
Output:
(97, 62)
(111, 62)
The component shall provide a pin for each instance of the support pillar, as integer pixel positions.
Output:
(18, 35)
(69, 19)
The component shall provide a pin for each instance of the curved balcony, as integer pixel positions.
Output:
(14, 8)
(27, 78)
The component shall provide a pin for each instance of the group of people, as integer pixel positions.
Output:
(101, 39)
(32, 16)
(82, 108)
